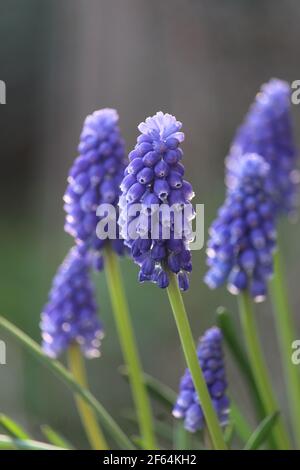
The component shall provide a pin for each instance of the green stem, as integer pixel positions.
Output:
(129, 348)
(231, 337)
(57, 368)
(89, 422)
(285, 332)
(189, 350)
(241, 425)
(259, 368)
(180, 437)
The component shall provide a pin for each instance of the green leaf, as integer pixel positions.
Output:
(10, 443)
(159, 391)
(138, 441)
(262, 432)
(54, 437)
(55, 366)
(162, 429)
(181, 439)
(230, 334)
(229, 434)
(241, 426)
(12, 428)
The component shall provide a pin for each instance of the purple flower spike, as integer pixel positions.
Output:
(159, 233)
(243, 237)
(187, 406)
(71, 312)
(94, 179)
(267, 131)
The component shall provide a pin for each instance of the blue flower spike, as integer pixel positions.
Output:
(70, 316)
(154, 179)
(94, 179)
(187, 406)
(243, 236)
(267, 130)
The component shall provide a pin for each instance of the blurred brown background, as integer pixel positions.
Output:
(200, 60)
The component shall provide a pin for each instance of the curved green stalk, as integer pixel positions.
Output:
(12, 443)
(55, 366)
(189, 350)
(286, 335)
(259, 368)
(129, 348)
(89, 422)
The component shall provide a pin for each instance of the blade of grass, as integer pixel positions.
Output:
(225, 323)
(229, 434)
(13, 428)
(10, 443)
(181, 437)
(112, 427)
(262, 432)
(260, 368)
(285, 327)
(241, 426)
(54, 437)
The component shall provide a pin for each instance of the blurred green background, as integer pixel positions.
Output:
(200, 60)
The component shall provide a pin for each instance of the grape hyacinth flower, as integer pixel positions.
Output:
(94, 179)
(93, 186)
(243, 237)
(71, 312)
(187, 406)
(154, 179)
(267, 131)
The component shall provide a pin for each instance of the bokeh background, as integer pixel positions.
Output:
(200, 60)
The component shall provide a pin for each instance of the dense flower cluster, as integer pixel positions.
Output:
(211, 361)
(154, 179)
(267, 131)
(243, 237)
(71, 312)
(95, 178)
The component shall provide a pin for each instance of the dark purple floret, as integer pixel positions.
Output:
(243, 236)
(71, 312)
(187, 406)
(158, 231)
(94, 179)
(267, 130)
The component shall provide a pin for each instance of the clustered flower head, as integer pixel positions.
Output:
(154, 179)
(94, 179)
(267, 131)
(71, 312)
(243, 236)
(187, 406)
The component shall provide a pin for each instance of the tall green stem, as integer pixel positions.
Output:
(259, 368)
(188, 346)
(286, 335)
(90, 424)
(128, 345)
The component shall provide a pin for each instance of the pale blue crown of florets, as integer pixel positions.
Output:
(243, 236)
(154, 178)
(267, 131)
(187, 406)
(94, 179)
(70, 316)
